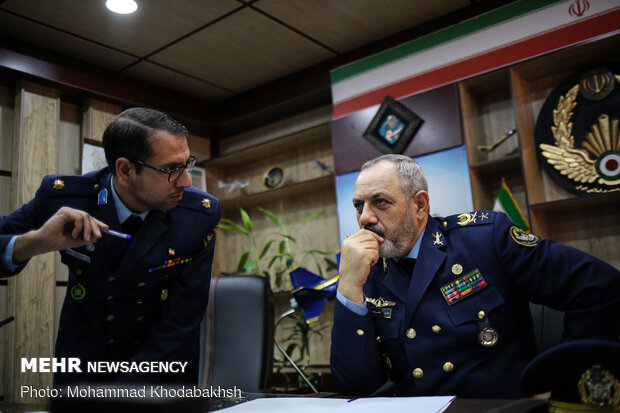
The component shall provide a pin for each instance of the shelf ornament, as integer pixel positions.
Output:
(577, 132)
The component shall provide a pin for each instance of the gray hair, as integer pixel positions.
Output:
(410, 174)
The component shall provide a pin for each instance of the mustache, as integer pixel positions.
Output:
(374, 228)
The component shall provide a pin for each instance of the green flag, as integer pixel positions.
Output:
(506, 203)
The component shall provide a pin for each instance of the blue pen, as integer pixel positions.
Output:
(116, 233)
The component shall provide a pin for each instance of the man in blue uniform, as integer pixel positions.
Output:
(139, 299)
(440, 305)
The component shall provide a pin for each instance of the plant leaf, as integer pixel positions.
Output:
(309, 217)
(246, 219)
(320, 252)
(265, 249)
(242, 261)
(288, 237)
(271, 216)
(231, 226)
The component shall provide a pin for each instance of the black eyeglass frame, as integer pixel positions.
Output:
(191, 162)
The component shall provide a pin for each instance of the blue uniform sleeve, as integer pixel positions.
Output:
(564, 278)
(30, 216)
(355, 307)
(6, 263)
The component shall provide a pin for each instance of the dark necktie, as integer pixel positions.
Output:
(132, 225)
(407, 264)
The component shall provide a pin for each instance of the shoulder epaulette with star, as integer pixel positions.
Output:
(197, 200)
(468, 219)
(70, 185)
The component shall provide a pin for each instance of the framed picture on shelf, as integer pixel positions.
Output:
(392, 127)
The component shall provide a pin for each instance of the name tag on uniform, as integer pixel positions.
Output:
(380, 312)
(78, 255)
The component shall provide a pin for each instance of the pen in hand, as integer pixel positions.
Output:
(116, 233)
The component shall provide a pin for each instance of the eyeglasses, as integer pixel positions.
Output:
(176, 173)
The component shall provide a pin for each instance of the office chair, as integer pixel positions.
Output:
(237, 339)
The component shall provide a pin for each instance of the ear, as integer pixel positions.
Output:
(124, 171)
(421, 202)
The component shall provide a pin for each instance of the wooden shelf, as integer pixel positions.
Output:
(285, 191)
(283, 144)
(508, 165)
(579, 203)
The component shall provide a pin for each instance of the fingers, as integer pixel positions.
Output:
(82, 225)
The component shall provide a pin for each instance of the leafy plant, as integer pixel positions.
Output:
(260, 259)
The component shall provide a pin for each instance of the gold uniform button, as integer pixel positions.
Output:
(360, 332)
(448, 367)
(445, 224)
(418, 373)
(481, 314)
(96, 186)
(59, 184)
(410, 333)
(139, 301)
(140, 318)
(142, 284)
(110, 297)
(78, 272)
(436, 329)
(111, 279)
(111, 317)
(378, 339)
(111, 341)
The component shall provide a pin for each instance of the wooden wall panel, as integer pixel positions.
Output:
(69, 147)
(68, 155)
(199, 146)
(6, 156)
(31, 295)
(6, 128)
(97, 115)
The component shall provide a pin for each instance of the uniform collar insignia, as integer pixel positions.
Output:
(437, 236)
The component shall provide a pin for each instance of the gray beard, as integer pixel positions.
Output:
(396, 244)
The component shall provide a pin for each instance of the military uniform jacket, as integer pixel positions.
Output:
(123, 303)
(431, 342)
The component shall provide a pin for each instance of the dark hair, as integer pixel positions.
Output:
(410, 174)
(127, 135)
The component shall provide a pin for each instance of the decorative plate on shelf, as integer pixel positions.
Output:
(273, 177)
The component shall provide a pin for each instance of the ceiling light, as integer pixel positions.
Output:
(122, 6)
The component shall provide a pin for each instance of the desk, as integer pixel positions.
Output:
(457, 406)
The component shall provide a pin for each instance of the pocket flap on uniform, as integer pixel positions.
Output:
(388, 328)
(468, 310)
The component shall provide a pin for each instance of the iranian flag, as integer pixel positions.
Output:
(506, 203)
